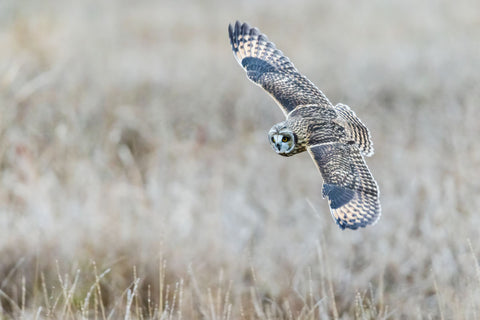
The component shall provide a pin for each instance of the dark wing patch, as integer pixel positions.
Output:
(256, 67)
(267, 67)
(356, 129)
(338, 195)
(351, 190)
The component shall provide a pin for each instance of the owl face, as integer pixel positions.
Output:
(281, 139)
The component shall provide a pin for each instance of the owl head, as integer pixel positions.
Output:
(282, 139)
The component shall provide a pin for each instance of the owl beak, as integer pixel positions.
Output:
(279, 146)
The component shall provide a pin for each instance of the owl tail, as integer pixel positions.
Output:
(359, 132)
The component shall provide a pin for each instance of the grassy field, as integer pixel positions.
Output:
(136, 180)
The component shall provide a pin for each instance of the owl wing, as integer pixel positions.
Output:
(267, 67)
(352, 192)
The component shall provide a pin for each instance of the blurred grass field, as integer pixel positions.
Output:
(137, 181)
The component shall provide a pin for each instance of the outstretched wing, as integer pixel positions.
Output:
(267, 67)
(351, 190)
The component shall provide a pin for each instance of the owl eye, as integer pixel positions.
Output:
(285, 139)
(273, 140)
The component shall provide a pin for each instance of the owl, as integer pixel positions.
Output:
(334, 136)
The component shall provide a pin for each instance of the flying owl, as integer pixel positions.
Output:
(334, 136)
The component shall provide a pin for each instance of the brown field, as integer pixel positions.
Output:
(136, 180)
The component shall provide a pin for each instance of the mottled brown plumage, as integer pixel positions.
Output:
(333, 135)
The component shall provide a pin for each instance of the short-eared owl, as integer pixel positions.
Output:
(333, 135)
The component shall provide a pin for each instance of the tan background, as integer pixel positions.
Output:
(129, 135)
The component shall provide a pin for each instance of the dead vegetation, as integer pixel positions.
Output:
(137, 182)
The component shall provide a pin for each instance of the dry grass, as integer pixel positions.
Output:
(137, 183)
